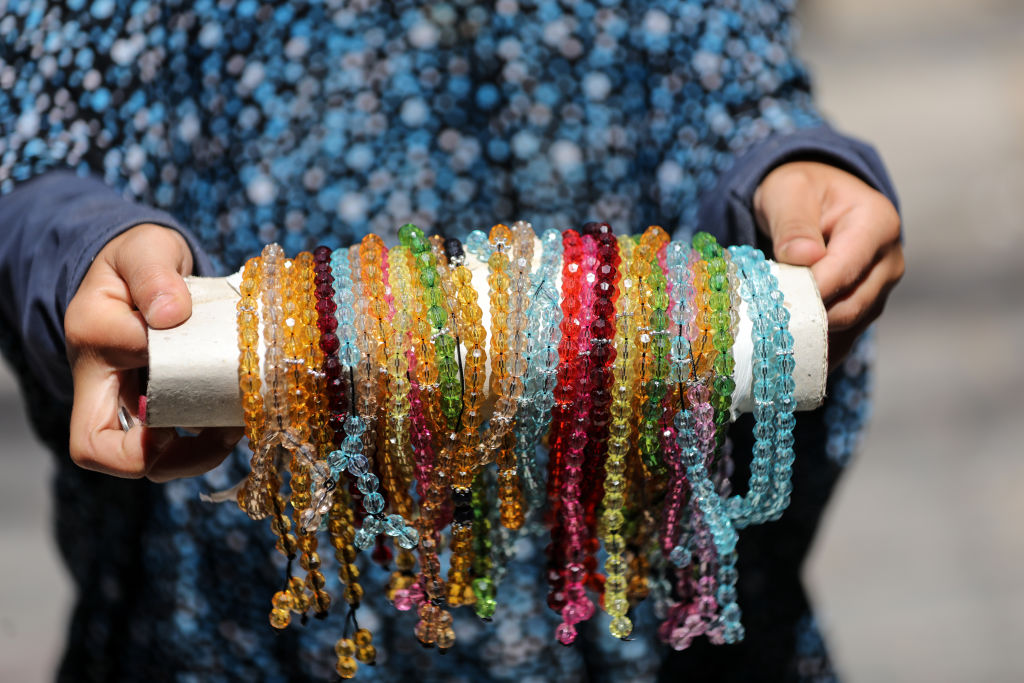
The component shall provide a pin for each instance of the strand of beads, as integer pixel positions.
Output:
(253, 497)
(510, 491)
(578, 606)
(375, 370)
(541, 352)
(656, 370)
(619, 442)
(465, 316)
(566, 393)
(434, 626)
(772, 370)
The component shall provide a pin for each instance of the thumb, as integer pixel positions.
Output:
(152, 260)
(788, 209)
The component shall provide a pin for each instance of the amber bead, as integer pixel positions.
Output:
(347, 667)
(280, 618)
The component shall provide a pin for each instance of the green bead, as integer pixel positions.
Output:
(720, 403)
(655, 393)
(724, 364)
(448, 369)
(719, 301)
(723, 341)
(419, 246)
(658, 319)
(650, 445)
(424, 257)
(700, 240)
(485, 608)
(407, 232)
(428, 277)
(724, 385)
(437, 317)
(450, 387)
(445, 345)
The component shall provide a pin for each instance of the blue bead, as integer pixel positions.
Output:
(374, 503)
(367, 483)
(363, 539)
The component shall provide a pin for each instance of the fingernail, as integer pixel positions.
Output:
(791, 249)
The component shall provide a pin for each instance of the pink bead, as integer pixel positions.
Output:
(565, 634)
(403, 601)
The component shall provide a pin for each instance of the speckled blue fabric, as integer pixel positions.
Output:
(315, 122)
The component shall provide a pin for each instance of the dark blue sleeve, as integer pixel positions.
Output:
(727, 210)
(51, 229)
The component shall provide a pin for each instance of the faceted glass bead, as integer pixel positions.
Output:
(373, 502)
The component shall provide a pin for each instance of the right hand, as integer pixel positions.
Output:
(136, 280)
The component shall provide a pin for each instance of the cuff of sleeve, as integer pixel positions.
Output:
(727, 210)
(104, 216)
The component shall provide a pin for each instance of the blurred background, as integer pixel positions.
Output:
(918, 572)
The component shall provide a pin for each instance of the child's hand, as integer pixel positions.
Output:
(136, 279)
(848, 233)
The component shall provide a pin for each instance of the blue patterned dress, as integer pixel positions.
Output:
(242, 122)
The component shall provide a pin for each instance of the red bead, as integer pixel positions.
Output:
(329, 343)
(332, 367)
(327, 323)
(326, 307)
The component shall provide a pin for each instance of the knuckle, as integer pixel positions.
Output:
(888, 217)
(789, 227)
(900, 267)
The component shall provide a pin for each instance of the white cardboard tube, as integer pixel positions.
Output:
(193, 368)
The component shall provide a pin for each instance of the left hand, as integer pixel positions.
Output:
(847, 232)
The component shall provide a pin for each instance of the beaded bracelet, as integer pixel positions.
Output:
(772, 388)
(465, 318)
(616, 603)
(398, 436)
(253, 496)
(722, 385)
(678, 260)
(535, 403)
(578, 607)
(656, 367)
(434, 626)
(510, 492)
(376, 332)
(567, 391)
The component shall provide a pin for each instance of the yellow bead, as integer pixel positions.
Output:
(353, 594)
(446, 638)
(283, 600)
(279, 618)
(367, 654)
(315, 580)
(346, 667)
(322, 602)
(620, 627)
(363, 637)
(345, 647)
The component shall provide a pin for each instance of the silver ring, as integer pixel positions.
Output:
(125, 418)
